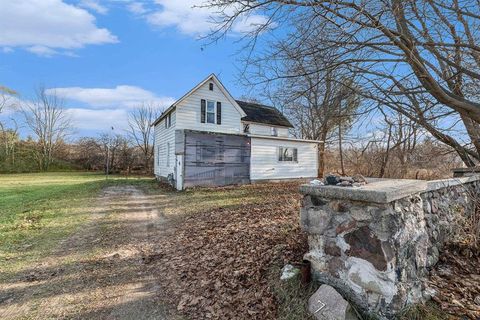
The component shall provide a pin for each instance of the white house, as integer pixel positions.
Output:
(207, 138)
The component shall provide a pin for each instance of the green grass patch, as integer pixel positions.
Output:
(291, 295)
(427, 311)
(38, 210)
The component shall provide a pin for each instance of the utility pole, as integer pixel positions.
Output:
(108, 154)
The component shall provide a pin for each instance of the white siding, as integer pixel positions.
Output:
(164, 137)
(264, 162)
(266, 130)
(188, 112)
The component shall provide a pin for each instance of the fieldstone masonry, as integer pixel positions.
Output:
(376, 243)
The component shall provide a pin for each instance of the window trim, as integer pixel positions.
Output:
(274, 131)
(214, 111)
(168, 120)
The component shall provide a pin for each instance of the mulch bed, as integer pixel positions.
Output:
(457, 280)
(215, 265)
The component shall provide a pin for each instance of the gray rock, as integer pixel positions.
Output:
(359, 178)
(289, 272)
(327, 304)
(314, 221)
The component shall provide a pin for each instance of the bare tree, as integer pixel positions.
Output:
(141, 131)
(9, 135)
(110, 145)
(49, 122)
(6, 98)
(425, 50)
(400, 137)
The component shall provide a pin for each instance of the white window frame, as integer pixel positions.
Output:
(274, 131)
(158, 156)
(214, 112)
(281, 151)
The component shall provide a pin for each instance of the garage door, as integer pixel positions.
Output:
(216, 159)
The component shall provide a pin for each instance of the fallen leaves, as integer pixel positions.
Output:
(457, 281)
(215, 264)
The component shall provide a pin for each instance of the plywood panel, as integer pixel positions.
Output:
(216, 159)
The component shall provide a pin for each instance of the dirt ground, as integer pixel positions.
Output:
(100, 272)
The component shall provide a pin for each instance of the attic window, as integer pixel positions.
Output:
(210, 86)
(274, 132)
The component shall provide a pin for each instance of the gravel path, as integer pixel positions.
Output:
(100, 272)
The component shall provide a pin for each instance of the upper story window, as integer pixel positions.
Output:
(168, 121)
(287, 154)
(210, 86)
(274, 132)
(210, 111)
(246, 128)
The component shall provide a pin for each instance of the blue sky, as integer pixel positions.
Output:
(108, 56)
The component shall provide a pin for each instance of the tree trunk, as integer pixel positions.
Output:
(321, 159)
(340, 149)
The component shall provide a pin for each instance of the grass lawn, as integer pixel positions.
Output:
(38, 210)
(214, 232)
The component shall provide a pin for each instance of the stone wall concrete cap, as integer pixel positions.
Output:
(384, 190)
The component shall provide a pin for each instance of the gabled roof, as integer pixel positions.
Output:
(263, 114)
(213, 78)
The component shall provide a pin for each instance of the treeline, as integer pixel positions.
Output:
(50, 127)
(426, 160)
(91, 154)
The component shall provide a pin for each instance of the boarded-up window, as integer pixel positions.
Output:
(216, 159)
(287, 154)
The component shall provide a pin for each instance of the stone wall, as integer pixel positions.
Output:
(376, 243)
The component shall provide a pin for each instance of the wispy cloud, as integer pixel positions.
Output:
(46, 27)
(137, 8)
(190, 17)
(98, 120)
(122, 96)
(94, 5)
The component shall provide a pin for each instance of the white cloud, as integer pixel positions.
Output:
(190, 17)
(94, 5)
(121, 96)
(137, 8)
(101, 120)
(47, 26)
(42, 51)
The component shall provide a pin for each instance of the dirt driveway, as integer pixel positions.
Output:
(100, 272)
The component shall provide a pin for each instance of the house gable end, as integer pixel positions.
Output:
(217, 85)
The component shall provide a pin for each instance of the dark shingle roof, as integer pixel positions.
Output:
(263, 114)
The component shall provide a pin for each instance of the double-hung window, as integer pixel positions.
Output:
(210, 111)
(287, 154)
(168, 121)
